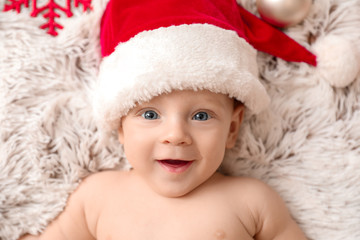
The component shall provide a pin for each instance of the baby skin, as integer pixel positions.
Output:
(175, 144)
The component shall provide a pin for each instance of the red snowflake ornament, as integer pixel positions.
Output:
(49, 11)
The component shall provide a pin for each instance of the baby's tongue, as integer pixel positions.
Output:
(175, 162)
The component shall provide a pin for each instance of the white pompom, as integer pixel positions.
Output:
(338, 60)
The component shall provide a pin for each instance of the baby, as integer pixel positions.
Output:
(175, 143)
(174, 83)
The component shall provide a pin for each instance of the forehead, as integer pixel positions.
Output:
(203, 96)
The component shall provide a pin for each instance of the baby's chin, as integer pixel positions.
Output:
(173, 192)
(183, 189)
(176, 189)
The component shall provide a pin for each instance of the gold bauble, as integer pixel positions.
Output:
(283, 13)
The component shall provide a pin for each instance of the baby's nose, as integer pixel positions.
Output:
(176, 132)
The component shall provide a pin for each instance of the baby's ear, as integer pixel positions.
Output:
(236, 120)
(121, 134)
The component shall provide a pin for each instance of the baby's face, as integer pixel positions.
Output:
(177, 141)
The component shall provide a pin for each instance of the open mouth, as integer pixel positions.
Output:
(175, 166)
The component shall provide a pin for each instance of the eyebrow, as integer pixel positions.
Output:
(222, 104)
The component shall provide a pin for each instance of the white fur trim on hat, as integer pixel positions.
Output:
(192, 57)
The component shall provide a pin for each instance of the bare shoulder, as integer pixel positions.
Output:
(248, 187)
(94, 191)
(98, 186)
(269, 213)
(259, 197)
(79, 218)
(253, 194)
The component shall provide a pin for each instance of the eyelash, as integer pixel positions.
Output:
(143, 114)
(209, 115)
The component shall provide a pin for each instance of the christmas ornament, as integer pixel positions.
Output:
(283, 13)
(49, 11)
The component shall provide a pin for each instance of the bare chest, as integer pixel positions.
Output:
(139, 219)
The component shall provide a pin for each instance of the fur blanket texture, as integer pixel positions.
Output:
(306, 145)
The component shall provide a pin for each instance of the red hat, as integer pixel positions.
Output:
(152, 47)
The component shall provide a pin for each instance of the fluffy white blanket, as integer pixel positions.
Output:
(306, 145)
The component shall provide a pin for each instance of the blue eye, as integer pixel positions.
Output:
(150, 115)
(201, 116)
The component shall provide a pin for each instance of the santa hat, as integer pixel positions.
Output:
(153, 47)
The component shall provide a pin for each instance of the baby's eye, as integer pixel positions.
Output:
(150, 115)
(201, 116)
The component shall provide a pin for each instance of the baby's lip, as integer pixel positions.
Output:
(175, 165)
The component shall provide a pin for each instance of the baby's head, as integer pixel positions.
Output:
(170, 75)
(176, 141)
